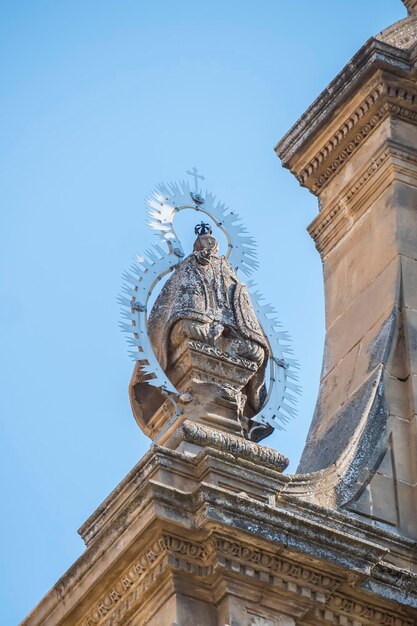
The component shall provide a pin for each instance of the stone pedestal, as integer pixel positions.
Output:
(211, 383)
(212, 375)
(214, 380)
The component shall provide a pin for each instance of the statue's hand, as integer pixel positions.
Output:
(203, 256)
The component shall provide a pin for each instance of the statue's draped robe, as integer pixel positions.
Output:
(208, 294)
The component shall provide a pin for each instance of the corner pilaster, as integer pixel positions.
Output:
(355, 149)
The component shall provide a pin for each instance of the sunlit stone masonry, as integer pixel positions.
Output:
(207, 530)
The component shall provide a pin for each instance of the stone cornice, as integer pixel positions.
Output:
(148, 520)
(141, 490)
(340, 608)
(319, 588)
(323, 166)
(372, 56)
(244, 454)
(387, 99)
(338, 149)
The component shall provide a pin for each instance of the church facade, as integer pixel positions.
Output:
(207, 530)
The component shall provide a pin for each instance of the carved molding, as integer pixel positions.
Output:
(374, 109)
(327, 220)
(125, 591)
(377, 161)
(257, 620)
(404, 580)
(366, 612)
(257, 560)
(249, 450)
(201, 559)
(326, 615)
(205, 348)
(327, 225)
(280, 620)
(342, 133)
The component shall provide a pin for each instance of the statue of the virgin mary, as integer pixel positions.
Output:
(204, 301)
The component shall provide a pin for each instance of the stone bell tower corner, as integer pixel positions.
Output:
(207, 529)
(355, 149)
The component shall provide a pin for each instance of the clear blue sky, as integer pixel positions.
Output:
(101, 100)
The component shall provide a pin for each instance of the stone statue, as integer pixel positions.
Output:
(207, 338)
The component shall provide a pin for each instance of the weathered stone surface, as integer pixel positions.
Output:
(344, 277)
(407, 220)
(200, 435)
(159, 554)
(411, 5)
(355, 149)
(370, 310)
(208, 340)
(340, 435)
(403, 34)
(408, 276)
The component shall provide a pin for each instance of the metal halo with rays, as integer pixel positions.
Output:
(139, 283)
(279, 405)
(145, 272)
(167, 200)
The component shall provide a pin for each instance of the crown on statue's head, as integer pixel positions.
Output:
(203, 229)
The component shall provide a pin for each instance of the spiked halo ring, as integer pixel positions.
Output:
(163, 204)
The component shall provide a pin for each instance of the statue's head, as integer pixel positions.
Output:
(205, 246)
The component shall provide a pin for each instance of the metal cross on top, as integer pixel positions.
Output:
(196, 176)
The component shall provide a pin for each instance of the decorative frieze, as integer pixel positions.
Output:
(200, 559)
(203, 559)
(257, 620)
(279, 620)
(363, 178)
(123, 593)
(205, 348)
(374, 109)
(366, 613)
(328, 220)
(259, 560)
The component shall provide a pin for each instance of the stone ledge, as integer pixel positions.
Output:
(290, 527)
(275, 561)
(200, 435)
(372, 56)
